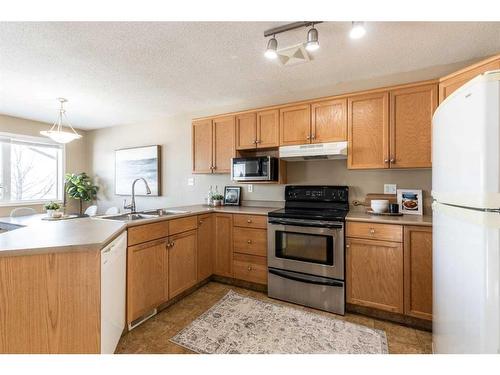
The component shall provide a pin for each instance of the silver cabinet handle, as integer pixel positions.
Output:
(386, 160)
(393, 161)
(314, 136)
(372, 231)
(249, 221)
(347, 246)
(172, 243)
(308, 137)
(200, 222)
(249, 242)
(249, 268)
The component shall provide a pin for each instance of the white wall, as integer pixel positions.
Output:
(76, 151)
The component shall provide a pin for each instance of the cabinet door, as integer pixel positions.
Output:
(202, 146)
(418, 271)
(375, 274)
(182, 262)
(205, 246)
(329, 121)
(246, 131)
(223, 141)
(295, 125)
(224, 245)
(268, 129)
(368, 131)
(447, 86)
(147, 277)
(410, 126)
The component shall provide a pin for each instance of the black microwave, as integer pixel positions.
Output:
(258, 168)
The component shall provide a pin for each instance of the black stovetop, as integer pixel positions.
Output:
(314, 203)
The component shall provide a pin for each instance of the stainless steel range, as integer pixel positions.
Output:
(306, 247)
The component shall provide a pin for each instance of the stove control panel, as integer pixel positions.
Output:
(317, 193)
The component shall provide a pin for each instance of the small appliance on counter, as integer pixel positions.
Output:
(306, 247)
(255, 168)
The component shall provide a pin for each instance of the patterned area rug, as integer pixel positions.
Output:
(240, 324)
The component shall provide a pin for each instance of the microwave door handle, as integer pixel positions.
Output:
(305, 278)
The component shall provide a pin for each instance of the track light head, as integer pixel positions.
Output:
(312, 43)
(357, 30)
(272, 48)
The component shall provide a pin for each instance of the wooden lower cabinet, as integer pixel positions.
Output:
(223, 245)
(418, 271)
(250, 268)
(375, 274)
(182, 263)
(206, 243)
(147, 277)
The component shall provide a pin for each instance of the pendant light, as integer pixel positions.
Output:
(272, 48)
(56, 132)
(357, 30)
(312, 43)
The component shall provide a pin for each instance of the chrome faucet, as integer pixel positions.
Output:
(131, 206)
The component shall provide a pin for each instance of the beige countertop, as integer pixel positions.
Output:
(425, 220)
(41, 236)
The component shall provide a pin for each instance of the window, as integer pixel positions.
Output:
(31, 169)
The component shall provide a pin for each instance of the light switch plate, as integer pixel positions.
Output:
(390, 188)
(250, 188)
(190, 181)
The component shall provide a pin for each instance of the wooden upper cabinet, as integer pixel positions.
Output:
(329, 121)
(375, 274)
(418, 271)
(223, 143)
(246, 131)
(182, 262)
(224, 245)
(295, 125)
(147, 277)
(368, 131)
(206, 244)
(453, 81)
(202, 139)
(268, 129)
(410, 126)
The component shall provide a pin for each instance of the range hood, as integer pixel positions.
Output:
(315, 151)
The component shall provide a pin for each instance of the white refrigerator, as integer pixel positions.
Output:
(466, 218)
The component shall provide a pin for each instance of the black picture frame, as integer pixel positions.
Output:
(232, 195)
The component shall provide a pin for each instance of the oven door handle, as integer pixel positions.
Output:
(298, 223)
(306, 278)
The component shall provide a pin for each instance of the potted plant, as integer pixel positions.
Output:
(51, 207)
(79, 186)
(217, 199)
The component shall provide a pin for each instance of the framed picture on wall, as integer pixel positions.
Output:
(137, 162)
(232, 195)
(410, 201)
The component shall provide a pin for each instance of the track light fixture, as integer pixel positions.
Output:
(312, 43)
(272, 48)
(357, 30)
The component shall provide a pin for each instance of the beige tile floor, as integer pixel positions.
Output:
(153, 336)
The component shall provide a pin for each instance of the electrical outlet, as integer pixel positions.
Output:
(250, 188)
(390, 188)
(190, 181)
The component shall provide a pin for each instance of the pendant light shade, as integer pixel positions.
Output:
(357, 30)
(56, 132)
(312, 43)
(272, 48)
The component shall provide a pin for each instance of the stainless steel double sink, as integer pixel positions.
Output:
(143, 215)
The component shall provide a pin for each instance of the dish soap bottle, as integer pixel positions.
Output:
(210, 196)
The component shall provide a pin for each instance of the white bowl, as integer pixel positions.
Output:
(379, 205)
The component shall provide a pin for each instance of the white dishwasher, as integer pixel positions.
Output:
(113, 283)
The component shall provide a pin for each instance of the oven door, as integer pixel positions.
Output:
(307, 248)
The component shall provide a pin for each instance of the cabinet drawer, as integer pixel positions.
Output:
(250, 221)
(183, 224)
(250, 241)
(147, 232)
(383, 232)
(250, 268)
